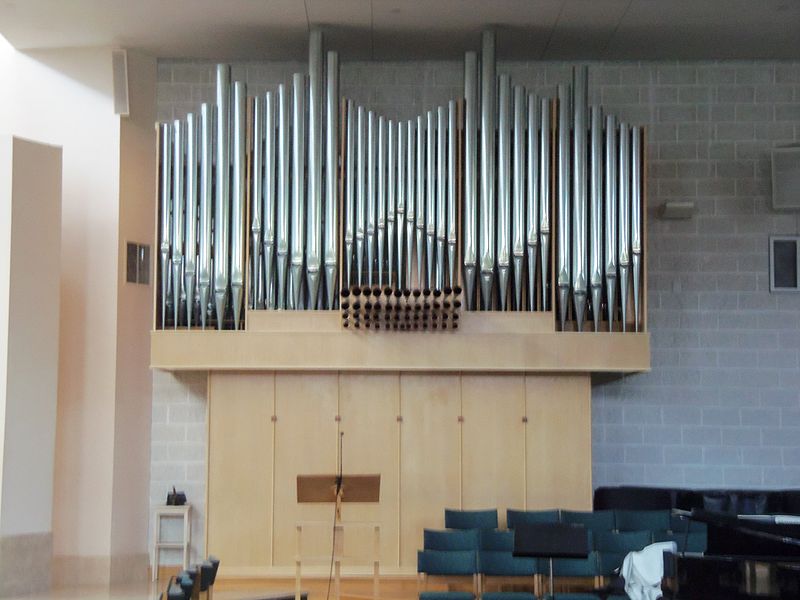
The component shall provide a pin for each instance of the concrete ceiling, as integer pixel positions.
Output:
(414, 29)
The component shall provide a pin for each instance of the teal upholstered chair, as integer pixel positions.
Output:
(451, 566)
(600, 520)
(613, 546)
(495, 565)
(584, 568)
(470, 519)
(530, 517)
(497, 540)
(679, 524)
(640, 520)
(449, 540)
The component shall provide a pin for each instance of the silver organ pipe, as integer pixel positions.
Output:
(204, 277)
(545, 198)
(518, 230)
(596, 214)
(380, 229)
(165, 184)
(256, 207)
(421, 201)
(313, 212)
(178, 205)
(563, 267)
(624, 210)
(370, 197)
(430, 199)
(636, 218)
(361, 200)
(238, 198)
(222, 203)
(452, 219)
(270, 197)
(391, 198)
(297, 238)
(402, 158)
(533, 190)
(610, 218)
(411, 182)
(503, 189)
(579, 195)
(487, 153)
(349, 194)
(470, 217)
(190, 237)
(441, 196)
(331, 239)
(282, 197)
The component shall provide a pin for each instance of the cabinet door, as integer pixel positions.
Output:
(559, 442)
(368, 406)
(240, 408)
(493, 442)
(305, 444)
(430, 461)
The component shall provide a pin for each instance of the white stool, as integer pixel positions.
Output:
(171, 512)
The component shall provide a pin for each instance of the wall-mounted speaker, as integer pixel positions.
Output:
(784, 266)
(786, 178)
(119, 65)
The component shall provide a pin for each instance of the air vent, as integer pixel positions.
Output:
(784, 267)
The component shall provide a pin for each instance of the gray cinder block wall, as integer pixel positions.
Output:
(721, 406)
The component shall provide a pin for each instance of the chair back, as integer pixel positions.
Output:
(600, 520)
(505, 564)
(639, 520)
(470, 519)
(448, 540)
(530, 517)
(453, 562)
(576, 567)
(621, 541)
(497, 540)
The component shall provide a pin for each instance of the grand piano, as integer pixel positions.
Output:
(746, 558)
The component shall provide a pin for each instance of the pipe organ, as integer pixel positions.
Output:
(503, 200)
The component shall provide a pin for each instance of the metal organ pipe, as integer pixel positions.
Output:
(166, 191)
(283, 202)
(381, 196)
(441, 195)
(421, 201)
(350, 195)
(636, 218)
(331, 239)
(452, 220)
(391, 197)
(544, 200)
(206, 193)
(222, 203)
(487, 223)
(238, 196)
(256, 229)
(190, 238)
(518, 230)
(178, 204)
(268, 212)
(624, 203)
(361, 200)
(430, 196)
(563, 266)
(579, 195)
(532, 213)
(402, 158)
(596, 214)
(503, 189)
(411, 182)
(610, 215)
(313, 213)
(297, 240)
(470, 217)
(370, 196)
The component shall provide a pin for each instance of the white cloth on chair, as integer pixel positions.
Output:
(643, 570)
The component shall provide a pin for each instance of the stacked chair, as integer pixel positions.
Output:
(190, 583)
(471, 546)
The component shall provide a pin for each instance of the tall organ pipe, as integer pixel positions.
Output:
(166, 193)
(204, 272)
(532, 213)
(370, 197)
(381, 195)
(564, 275)
(238, 195)
(313, 214)
(401, 200)
(268, 225)
(518, 231)
(503, 190)
(361, 200)
(624, 203)
(611, 218)
(298, 188)
(257, 183)
(596, 214)
(283, 203)
(190, 261)
(636, 218)
(544, 200)
(178, 204)
(441, 195)
(222, 204)
(350, 195)
(470, 217)
(331, 240)
(391, 198)
(411, 179)
(579, 195)
(487, 222)
(430, 196)
(452, 220)
(421, 201)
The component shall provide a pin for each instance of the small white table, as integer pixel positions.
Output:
(171, 512)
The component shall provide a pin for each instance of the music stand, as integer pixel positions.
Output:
(551, 540)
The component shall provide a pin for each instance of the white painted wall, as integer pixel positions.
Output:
(30, 201)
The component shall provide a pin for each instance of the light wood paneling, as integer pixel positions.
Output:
(559, 442)
(493, 443)
(369, 406)
(240, 408)
(305, 444)
(430, 446)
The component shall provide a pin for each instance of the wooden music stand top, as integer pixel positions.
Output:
(322, 488)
